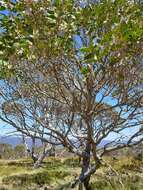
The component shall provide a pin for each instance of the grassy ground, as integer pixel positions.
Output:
(56, 174)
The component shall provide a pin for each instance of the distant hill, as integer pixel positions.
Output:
(15, 140)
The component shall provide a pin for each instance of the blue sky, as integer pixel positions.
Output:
(5, 129)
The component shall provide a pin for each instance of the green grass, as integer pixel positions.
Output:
(19, 173)
(56, 174)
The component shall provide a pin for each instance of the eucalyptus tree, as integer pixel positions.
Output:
(37, 150)
(83, 67)
(21, 110)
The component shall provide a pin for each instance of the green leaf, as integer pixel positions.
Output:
(84, 70)
(2, 8)
(3, 63)
(89, 56)
(85, 50)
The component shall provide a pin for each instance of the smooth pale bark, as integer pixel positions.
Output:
(42, 156)
(47, 151)
(37, 159)
(25, 145)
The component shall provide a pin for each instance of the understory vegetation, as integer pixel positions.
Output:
(58, 174)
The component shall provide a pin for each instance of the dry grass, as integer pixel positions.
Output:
(56, 174)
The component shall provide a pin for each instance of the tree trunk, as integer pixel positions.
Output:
(34, 157)
(42, 156)
(85, 168)
(25, 146)
(38, 162)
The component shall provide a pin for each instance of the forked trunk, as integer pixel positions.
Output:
(87, 170)
(38, 162)
(84, 178)
(42, 156)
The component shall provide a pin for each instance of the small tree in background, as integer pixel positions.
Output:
(19, 151)
(6, 151)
